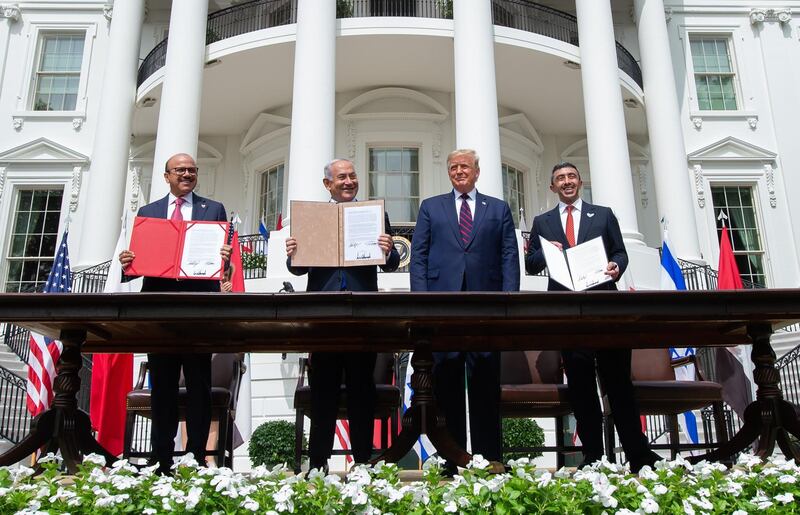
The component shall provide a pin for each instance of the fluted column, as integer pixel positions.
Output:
(179, 113)
(477, 123)
(110, 151)
(667, 150)
(9, 14)
(313, 100)
(612, 184)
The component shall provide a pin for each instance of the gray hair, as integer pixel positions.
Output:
(329, 167)
(464, 152)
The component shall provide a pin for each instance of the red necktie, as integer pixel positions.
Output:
(570, 227)
(177, 216)
(465, 220)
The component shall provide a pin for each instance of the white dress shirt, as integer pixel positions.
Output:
(576, 215)
(186, 207)
(470, 202)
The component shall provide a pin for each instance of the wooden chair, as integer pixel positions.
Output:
(226, 375)
(388, 402)
(532, 386)
(659, 393)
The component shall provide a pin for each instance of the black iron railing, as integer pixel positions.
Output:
(15, 421)
(18, 340)
(789, 369)
(703, 277)
(92, 279)
(263, 14)
(254, 255)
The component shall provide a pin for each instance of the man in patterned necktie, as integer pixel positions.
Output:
(465, 241)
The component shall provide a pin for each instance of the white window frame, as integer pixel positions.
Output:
(720, 182)
(21, 180)
(739, 70)
(262, 177)
(364, 176)
(525, 180)
(27, 94)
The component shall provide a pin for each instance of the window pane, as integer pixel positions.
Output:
(737, 203)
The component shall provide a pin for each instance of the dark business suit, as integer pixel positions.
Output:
(325, 374)
(614, 365)
(165, 369)
(488, 262)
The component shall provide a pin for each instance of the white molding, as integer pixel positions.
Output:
(10, 12)
(532, 137)
(255, 133)
(699, 184)
(75, 190)
(641, 174)
(51, 151)
(33, 33)
(761, 15)
(438, 112)
(699, 117)
(2, 181)
(732, 149)
(135, 173)
(769, 175)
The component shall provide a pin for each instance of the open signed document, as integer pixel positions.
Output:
(578, 268)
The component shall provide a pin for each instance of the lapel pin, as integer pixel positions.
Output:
(589, 215)
(483, 202)
(203, 206)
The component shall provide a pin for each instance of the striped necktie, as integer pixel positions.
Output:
(465, 220)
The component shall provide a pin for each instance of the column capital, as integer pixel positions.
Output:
(11, 12)
(108, 11)
(760, 15)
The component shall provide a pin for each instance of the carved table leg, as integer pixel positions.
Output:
(62, 427)
(422, 417)
(769, 418)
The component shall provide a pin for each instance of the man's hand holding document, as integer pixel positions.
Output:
(578, 268)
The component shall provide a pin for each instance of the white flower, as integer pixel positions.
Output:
(787, 479)
(478, 462)
(450, 507)
(355, 493)
(687, 508)
(283, 499)
(703, 492)
(250, 504)
(111, 500)
(433, 461)
(659, 489)
(360, 476)
(785, 498)
(739, 512)
(544, 479)
(95, 458)
(50, 457)
(187, 460)
(625, 511)
(649, 506)
(193, 497)
(477, 487)
(748, 460)
(647, 473)
(149, 511)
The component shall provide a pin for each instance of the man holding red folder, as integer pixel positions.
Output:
(180, 204)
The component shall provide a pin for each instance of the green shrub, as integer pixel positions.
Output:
(344, 9)
(272, 443)
(521, 432)
(254, 260)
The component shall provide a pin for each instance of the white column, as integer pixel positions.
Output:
(477, 124)
(667, 150)
(179, 113)
(109, 165)
(612, 184)
(313, 100)
(8, 15)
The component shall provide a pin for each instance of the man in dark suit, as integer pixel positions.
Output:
(465, 241)
(571, 223)
(180, 204)
(326, 368)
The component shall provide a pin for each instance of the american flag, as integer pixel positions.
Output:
(45, 352)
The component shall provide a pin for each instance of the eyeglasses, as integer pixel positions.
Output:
(184, 170)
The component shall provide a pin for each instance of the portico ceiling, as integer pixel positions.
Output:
(247, 82)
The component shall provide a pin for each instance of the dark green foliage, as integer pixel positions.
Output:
(272, 443)
(521, 432)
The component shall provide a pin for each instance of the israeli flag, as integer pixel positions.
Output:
(424, 448)
(672, 279)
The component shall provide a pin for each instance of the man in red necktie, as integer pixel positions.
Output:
(181, 203)
(571, 223)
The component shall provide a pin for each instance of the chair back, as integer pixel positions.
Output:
(384, 368)
(531, 367)
(651, 365)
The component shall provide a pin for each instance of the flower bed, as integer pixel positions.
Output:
(673, 487)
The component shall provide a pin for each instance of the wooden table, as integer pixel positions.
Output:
(422, 322)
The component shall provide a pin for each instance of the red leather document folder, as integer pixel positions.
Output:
(159, 245)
